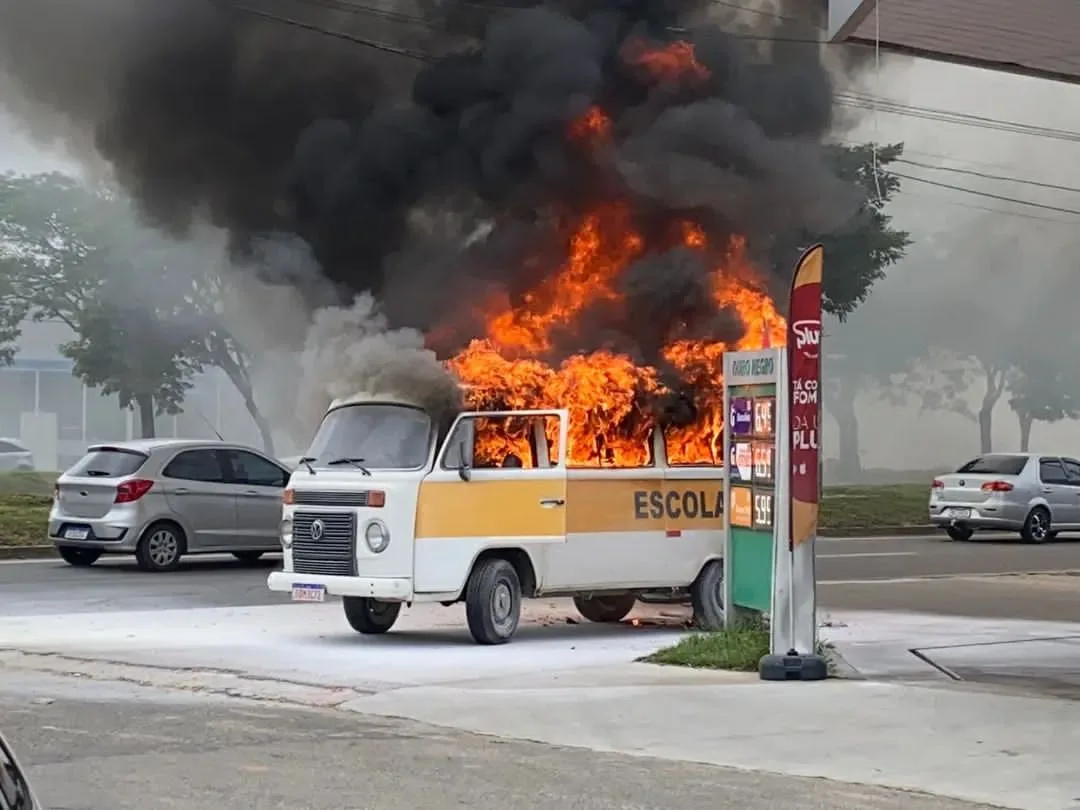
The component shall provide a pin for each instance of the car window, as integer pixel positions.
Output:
(1051, 471)
(10, 447)
(253, 470)
(995, 465)
(1072, 469)
(108, 462)
(195, 465)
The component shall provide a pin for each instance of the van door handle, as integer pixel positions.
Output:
(250, 493)
(182, 491)
(551, 503)
(1048, 490)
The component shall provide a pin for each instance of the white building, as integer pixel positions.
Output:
(56, 416)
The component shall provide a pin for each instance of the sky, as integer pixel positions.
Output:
(945, 222)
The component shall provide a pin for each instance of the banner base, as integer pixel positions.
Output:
(793, 667)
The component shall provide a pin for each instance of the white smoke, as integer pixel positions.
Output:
(352, 353)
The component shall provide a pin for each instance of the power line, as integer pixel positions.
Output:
(963, 119)
(987, 194)
(987, 176)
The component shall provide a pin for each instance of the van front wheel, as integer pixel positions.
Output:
(493, 601)
(370, 616)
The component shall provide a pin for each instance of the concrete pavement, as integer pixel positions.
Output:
(107, 747)
(575, 685)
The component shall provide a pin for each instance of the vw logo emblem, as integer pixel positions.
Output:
(317, 529)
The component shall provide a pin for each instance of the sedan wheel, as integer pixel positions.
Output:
(1037, 526)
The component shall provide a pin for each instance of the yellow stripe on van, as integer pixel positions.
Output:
(504, 509)
(511, 508)
(629, 505)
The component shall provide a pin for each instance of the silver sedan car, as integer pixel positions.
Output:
(160, 499)
(1035, 494)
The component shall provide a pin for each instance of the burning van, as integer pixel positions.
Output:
(392, 506)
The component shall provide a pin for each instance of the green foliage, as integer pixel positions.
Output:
(857, 253)
(74, 254)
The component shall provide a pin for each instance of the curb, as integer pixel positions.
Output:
(880, 531)
(27, 552)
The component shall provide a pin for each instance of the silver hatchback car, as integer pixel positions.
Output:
(160, 499)
(1034, 494)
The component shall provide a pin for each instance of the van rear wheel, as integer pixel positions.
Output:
(605, 609)
(707, 596)
(370, 616)
(493, 601)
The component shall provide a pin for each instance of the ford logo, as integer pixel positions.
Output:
(317, 529)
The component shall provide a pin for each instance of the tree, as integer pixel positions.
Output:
(78, 255)
(1042, 391)
(858, 252)
(856, 256)
(124, 348)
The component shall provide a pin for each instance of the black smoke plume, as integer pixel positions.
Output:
(390, 162)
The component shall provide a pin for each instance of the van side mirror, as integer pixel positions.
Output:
(464, 472)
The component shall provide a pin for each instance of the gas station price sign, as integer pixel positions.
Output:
(752, 470)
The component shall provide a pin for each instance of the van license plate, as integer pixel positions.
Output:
(308, 593)
(959, 513)
(76, 533)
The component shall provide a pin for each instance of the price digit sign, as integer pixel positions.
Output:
(763, 462)
(763, 416)
(763, 510)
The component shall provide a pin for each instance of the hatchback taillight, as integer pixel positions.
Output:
(938, 484)
(131, 491)
(997, 486)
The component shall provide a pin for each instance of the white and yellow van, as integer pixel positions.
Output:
(389, 508)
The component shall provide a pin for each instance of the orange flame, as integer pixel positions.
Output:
(672, 62)
(607, 394)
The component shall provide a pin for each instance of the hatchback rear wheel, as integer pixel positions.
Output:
(160, 548)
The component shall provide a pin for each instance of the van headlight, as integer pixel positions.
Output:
(376, 536)
(285, 531)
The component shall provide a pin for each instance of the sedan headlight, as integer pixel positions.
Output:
(376, 536)
(286, 533)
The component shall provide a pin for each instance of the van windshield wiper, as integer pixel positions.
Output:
(306, 461)
(356, 462)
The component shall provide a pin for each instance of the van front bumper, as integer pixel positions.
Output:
(386, 589)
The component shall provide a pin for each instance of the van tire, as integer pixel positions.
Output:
(370, 616)
(707, 596)
(605, 609)
(152, 552)
(493, 601)
(78, 557)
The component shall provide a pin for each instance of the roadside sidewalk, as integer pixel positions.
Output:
(1015, 752)
(575, 685)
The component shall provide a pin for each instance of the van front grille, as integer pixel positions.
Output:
(329, 548)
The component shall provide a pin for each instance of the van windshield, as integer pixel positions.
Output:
(388, 437)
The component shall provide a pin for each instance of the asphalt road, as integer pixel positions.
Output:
(129, 750)
(905, 573)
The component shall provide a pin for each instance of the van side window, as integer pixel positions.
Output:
(503, 442)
